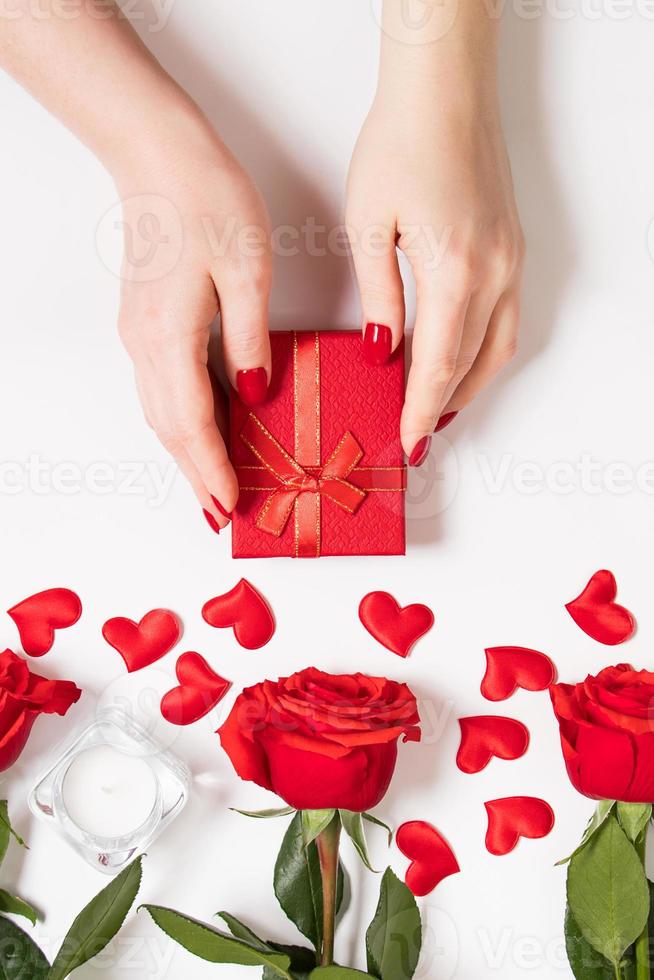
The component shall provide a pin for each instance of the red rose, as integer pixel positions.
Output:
(321, 741)
(607, 733)
(23, 697)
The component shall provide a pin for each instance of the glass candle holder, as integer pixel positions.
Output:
(112, 792)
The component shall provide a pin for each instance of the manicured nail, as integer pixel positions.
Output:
(377, 344)
(420, 451)
(211, 521)
(445, 420)
(219, 507)
(252, 386)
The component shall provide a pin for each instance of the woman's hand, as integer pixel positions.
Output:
(430, 174)
(206, 248)
(196, 229)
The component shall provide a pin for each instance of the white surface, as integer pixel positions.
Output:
(108, 793)
(289, 84)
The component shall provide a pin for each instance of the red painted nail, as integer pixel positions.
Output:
(377, 344)
(445, 420)
(211, 521)
(420, 451)
(252, 386)
(219, 507)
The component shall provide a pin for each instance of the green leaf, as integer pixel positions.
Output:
(336, 973)
(12, 905)
(284, 811)
(314, 822)
(585, 962)
(633, 818)
(241, 931)
(607, 891)
(379, 823)
(7, 831)
(214, 946)
(98, 922)
(303, 961)
(394, 936)
(353, 827)
(20, 957)
(298, 884)
(602, 811)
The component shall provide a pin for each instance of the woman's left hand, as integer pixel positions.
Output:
(430, 175)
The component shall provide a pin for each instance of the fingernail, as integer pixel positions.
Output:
(219, 507)
(377, 344)
(420, 451)
(252, 386)
(445, 420)
(211, 521)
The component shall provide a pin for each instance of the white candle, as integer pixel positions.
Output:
(108, 793)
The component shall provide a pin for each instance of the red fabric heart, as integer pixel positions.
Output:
(508, 668)
(141, 644)
(40, 615)
(431, 856)
(514, 817)
(485, 736)
(246, 610)
(396, 628)
(596, 613)
(200, 689)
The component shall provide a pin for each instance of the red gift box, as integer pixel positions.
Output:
(320, 463)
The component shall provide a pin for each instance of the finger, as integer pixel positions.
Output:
(437, 339)
(480, 309)
(381, 290)
(498, 348)
(157, 417)
(190, 401)
(244, 324)
(144, 398)
(220, 405)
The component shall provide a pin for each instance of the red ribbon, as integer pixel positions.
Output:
(300, 487)
(329, 480)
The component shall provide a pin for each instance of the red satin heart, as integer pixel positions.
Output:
(141, 644)
(246, 610)
(39, 616)
(514, 817)
(431, 856)
(485, 736)
(200, 689)
(508, 668)
(396, 628)
(596, 613)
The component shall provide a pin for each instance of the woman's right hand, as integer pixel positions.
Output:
(196, 242)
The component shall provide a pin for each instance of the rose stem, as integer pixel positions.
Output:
(328, 842)
(642, 943)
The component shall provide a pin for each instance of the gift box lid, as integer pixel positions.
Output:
(320, 462)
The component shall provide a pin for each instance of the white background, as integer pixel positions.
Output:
(288, 84)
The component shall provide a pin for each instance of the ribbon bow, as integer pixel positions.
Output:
(329, 480)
